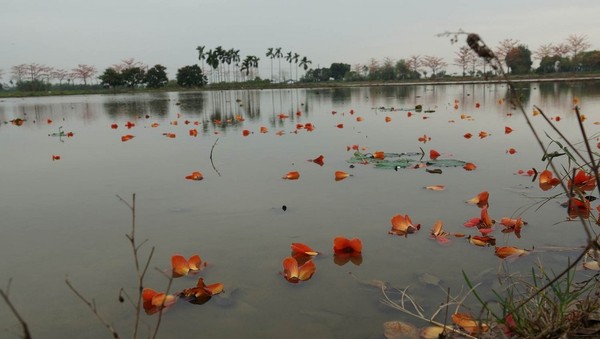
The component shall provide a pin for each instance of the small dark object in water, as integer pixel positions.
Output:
(434, 171)
(351, 166)
(590, 198)
(284, 208)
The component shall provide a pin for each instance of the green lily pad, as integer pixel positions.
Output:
(402, 160)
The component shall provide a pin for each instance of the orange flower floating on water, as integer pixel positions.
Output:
(182, 267)
(49, 121)
(477, 105)
(481, 199)
(409, 114)
(339, 175)
(302, 249)
(507, 130)
(155, 301)
(318, 160)
(298, 113)
(535, 112)
(55, 157)
(291, 175)
(575, 101)
(583, 181)
(379, 155)
(388, 119)
(511, 151)
(438, 233)
(527, 173)
(245, 132)
(578, 208)
(170, 135)
(424, 139)
(436, 187)
(402, 225)
(194, 132)
(547, 180)
(129, 125)
(279, 133)
(127, 137)
(433, 154)
(512, 225)
(294, 273)
(347, 250)
(282, 116)
(509, 251)
(469, 166)
(359, 119)
(263, 129)
(114, 126)
(466, 322)
(484, 223)
(201, 293)
(482, 241)
(340, 126)
(344, 245)
(309, 127)
(195, 176)
(468, 135)
(70, 134)
(483, 134)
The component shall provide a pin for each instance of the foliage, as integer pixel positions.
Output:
(338, 70)
(156, 77)
(111, 78)
(554, 64)
(191, 76)
(133, 76)
(32, 86)
(518, 60)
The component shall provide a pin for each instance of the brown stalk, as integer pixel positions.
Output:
(13, 309)
(92, 306)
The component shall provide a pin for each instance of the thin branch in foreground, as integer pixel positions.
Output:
(211, 157)
(13, 309)
(419, 315)
(92, 306)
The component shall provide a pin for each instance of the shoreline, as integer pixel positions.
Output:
(306, 85)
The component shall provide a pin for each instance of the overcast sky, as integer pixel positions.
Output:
(64, 33)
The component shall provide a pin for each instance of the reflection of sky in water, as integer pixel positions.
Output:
(63, 217)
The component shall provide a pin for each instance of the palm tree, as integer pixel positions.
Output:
(201, 55)
(235, 58)
(296, 56)
(212, 60)
(254, 64)
(271, 55)
(220, 55)
(304, 62)
(289, 57)
(279, 55)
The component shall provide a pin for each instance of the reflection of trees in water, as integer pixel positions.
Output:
(387, 96)
(138, 105)
(226, 108)
(56, 111)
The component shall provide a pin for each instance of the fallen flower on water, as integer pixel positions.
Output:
(547, 180)
(482, 240)
(402, 225)
(339, 175)
(127, 137)
(201, 293)
(155, 301)
(469, 166)
(181, 266)
(347, 250)
(509, 251)
(466, 322)
(481, 199)
(291, 175)
(195, 176)
(318, 160)
(294, 273)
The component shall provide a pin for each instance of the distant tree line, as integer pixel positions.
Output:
(227, 66)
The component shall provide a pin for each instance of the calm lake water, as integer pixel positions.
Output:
(63, 218)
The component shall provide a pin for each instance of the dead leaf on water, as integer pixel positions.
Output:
(400, 330)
